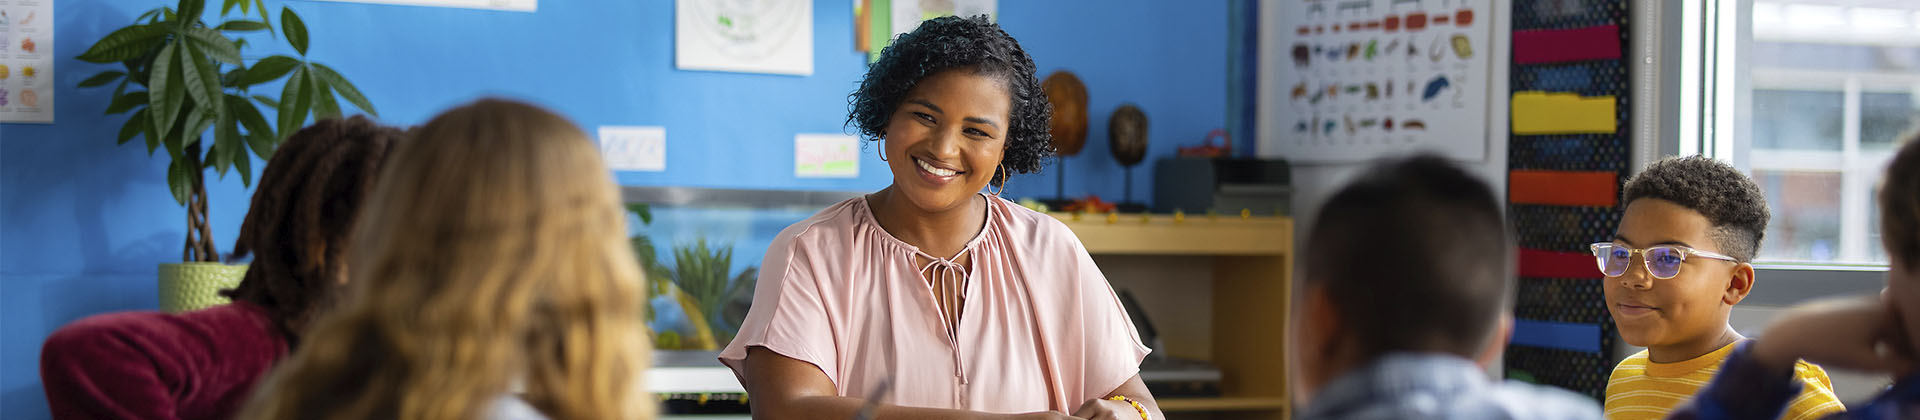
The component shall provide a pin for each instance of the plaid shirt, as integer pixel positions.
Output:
(1431, 386)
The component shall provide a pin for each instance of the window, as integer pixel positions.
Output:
(1810, 97)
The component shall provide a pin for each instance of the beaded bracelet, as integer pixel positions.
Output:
(1136, 406)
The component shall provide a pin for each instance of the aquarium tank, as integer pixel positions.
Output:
(701, 250)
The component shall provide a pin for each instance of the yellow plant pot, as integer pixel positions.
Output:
(190, 286)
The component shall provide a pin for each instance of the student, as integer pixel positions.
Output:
(1408, 283)
(1675, 268)
(950, 303)
(1760, 378)
(493, 253)
(202, 364)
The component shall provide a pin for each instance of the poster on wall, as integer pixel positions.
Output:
(746, 36)
(1361, 79)
(26, 61)
(513, 5)
(877, 22)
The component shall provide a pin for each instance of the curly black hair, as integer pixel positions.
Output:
(1732, 202)
(947, 43)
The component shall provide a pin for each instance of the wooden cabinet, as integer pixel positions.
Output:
(1239, 325)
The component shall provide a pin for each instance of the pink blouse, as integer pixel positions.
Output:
(1040, 328)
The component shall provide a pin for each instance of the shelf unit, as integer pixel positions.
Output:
(1251, 264)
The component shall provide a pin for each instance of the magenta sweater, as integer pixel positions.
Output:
(151, 365)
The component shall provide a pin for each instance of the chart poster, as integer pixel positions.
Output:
(513, 5)
(746, 36)
(26, 61)
(1368, 78)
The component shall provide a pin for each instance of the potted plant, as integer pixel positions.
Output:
(180, 78)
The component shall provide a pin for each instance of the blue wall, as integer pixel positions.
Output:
(86, 222)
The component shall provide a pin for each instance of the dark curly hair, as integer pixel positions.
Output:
(298, 225)
(1732, 203)
(1900, 204)
(948, 43)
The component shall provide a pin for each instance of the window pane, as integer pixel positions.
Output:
(1797, 119)
(1884, 117)
(1806, 215)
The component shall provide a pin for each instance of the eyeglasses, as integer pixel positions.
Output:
(1663, 261)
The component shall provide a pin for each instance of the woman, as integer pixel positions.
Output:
(203, 364)
(492, 255)
(939, 300)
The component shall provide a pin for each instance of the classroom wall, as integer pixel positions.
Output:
(86, 222)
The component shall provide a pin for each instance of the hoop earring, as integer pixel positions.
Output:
(883, 151)
(1001, 173)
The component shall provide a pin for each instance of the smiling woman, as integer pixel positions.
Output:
(929, 299)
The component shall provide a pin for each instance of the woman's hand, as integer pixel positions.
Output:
(1104, 409)
(1860, 334)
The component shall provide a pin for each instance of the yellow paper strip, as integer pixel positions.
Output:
(1536, 112)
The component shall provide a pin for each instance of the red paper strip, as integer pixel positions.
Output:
(1565, 265)
(1563, 45)
(1563, 188)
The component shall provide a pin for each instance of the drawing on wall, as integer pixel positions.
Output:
(748, 36)
(1369, 78)
(878, 21)
(26, 61)
(513, 5)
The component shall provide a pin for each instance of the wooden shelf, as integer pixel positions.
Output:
(1223, 404)
(1161, 234)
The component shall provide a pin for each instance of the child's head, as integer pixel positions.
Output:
(302, 216)
(1412, 257)
(1700, 221)
(1900, 233)
(493, 249)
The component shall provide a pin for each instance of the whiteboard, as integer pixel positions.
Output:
(1360, 79)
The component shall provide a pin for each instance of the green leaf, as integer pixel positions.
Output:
(203, 83)
(242, 26)
(269, 69)
(164, 90)
(178, 180)
(214, 45)
(195, 125)
(226, 141)
(255, 123)
(125, 44)
(190, 11)
(103, 78)
(124, 103)
(226, 6)
(244, 164)
(295, 30)
(232, 78)
(346, 89)
(295, 101)
(324, 106)
(261, 5)
(264, 100)
(134, 126)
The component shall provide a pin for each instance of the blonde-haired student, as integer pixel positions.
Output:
(493, 252)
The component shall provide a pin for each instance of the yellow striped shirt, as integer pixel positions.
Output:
(1641, 389)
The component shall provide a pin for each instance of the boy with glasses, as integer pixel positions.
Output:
(1678, 262)
(1870, 334)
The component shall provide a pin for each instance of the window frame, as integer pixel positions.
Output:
(1703, 49)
